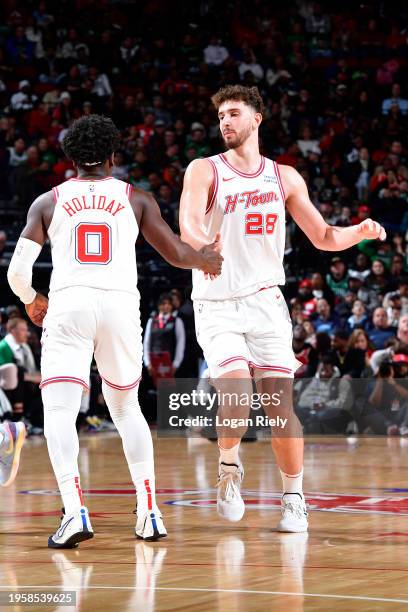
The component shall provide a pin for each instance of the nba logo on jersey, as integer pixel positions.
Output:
(92, 187)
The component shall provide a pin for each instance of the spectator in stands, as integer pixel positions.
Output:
(337, 277)
(24, 99)
(164, 340)
(400, 344)
(389, 397)
(399, 296)
(325, 320)
(361, 267)
(14, 349)
(215, 53)
(301, 348)
(379, 331)
(359, 318)
(324, 405)
(322, 346)
(348, 360)
(395, 101)
(359, 340)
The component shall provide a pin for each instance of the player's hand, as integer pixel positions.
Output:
(370, 230)
(37, 309)
(213, 258)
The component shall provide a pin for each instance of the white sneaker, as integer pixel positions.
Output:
(73, 529)
(150, 526)
(230, 504)
(294, 513)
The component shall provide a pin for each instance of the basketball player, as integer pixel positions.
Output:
(12, 436)
(92, 222)
(242, 321)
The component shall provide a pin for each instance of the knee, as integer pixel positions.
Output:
(121, 402)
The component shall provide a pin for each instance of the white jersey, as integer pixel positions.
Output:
(249, 212)
(93, 234)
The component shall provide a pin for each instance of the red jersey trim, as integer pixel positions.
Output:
(129, 190)
(55, 194)
(89, 180)
(122, 387)
(244, 174)
(214, 188)
(272, 368)
(232, 359)
(60, 379)
(278, 176)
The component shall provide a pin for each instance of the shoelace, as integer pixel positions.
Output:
(231, 486)
(297, 509)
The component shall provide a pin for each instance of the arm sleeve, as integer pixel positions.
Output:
(20, 271)
(180, 343)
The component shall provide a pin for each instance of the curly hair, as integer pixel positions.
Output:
(248, 95)
(90, 140)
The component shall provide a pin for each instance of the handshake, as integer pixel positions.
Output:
(212, 258)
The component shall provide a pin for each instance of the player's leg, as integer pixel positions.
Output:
(287, 446)
(118, 353)
(274, 364)
(220, 330)
(231, 387)
(12, 436)
(67, 346)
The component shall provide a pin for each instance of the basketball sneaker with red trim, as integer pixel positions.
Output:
(150, 526)
(74, 528)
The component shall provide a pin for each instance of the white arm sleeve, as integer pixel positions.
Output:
(20, 271)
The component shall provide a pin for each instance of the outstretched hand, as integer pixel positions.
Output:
(370, 230)
(37, 309)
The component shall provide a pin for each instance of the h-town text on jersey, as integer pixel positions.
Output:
(92, 203)
(249, 198)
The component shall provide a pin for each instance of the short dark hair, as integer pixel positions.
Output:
(248, 95)
(341, 334)
(91, 140)
(327, 359)
(164, 297)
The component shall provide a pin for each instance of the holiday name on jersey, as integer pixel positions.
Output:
(92, 203)
(249, 198)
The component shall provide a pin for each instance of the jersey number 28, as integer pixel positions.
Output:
(93, 243)
(258, 223)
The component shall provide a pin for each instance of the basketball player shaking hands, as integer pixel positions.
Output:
(242, 321)
(92, 222)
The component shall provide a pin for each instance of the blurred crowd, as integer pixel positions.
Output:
(332, 78)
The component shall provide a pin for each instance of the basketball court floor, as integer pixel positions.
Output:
(355, 556)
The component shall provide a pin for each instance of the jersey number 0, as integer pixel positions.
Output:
(93, 243)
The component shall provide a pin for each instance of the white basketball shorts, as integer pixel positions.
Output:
(82, 322)
(252, 332)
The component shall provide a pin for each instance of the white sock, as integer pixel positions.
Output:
(61, 406)
(143, 477)
(229, 455)
(137, 443)
(292, 483)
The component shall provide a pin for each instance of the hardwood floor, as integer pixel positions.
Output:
(355, 556)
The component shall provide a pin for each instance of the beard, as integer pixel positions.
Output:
(238, 139)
